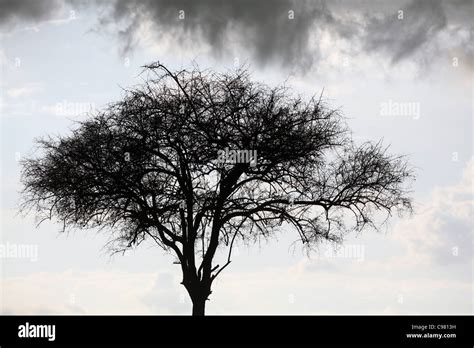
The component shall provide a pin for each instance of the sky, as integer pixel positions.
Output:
(400, 71)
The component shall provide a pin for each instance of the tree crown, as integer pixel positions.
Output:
(196, 159)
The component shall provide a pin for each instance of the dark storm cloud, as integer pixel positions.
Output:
(402, 34)
(266, 30)
(13, 12)
(276, 30)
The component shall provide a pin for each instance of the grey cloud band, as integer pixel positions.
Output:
(284, 32)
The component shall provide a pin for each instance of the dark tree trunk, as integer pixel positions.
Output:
(199, 307)
(199, 292)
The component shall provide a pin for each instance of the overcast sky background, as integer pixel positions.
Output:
(61, 59)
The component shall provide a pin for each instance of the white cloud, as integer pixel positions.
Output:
(441, 232)
(24, 91)
(3, 58)
(356, 288)
(76, 292)
(167, 296)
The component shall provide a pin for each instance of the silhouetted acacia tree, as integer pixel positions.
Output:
(164, 163)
